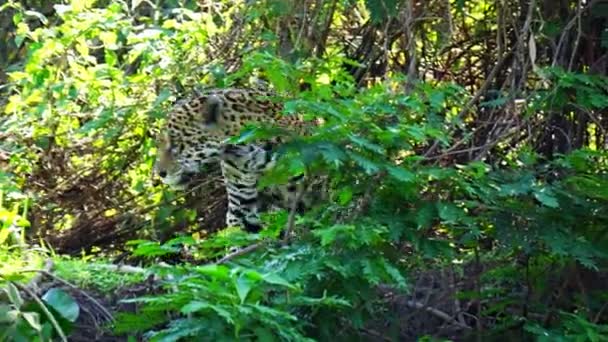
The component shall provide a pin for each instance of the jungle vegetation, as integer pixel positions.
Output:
(465, 142)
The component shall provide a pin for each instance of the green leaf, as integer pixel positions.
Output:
(371, 271)
(401, 174)
(437, 98)
(152, 249)
(449, 212)
(4, 234)
(37, 15)
(545, 196)
(253, 275)
(102, 119)
(5, 314)
(13, 295)
(178, 330)
(425, 216)
(380, 10)
(195, 306)
(522, 186)
(275, 279)
(590, 186)
(394, 273)
(33, 320)
(331, 154)
(344, 196)
(598, 101)
(17, 18)
(369, 166)
(264, 310)
(330, 234)
(223, 313)
(362, 142)
(459, 6)
(243, 285)
(219, 272)
(63, 303)
(164, 94)
(264, 334)
(330, 301)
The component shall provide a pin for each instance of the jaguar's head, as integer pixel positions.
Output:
(178, 164)
(188, 143)
(197, 128)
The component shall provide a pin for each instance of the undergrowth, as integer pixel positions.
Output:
(429, 230)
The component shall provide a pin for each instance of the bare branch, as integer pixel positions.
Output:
(438, 313)
(240, 252)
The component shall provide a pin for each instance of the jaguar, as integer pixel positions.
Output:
(196, 137)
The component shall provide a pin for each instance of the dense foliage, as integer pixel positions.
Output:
(466, 144)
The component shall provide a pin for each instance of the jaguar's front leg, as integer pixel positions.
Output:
(242, 193)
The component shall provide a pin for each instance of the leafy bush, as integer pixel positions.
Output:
(506, 201)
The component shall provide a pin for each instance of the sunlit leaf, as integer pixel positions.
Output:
(33, 319)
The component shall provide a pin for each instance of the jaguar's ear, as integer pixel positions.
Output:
(212, 110)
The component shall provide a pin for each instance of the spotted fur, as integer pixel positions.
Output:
(195, 136)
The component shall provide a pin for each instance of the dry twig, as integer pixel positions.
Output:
(33, 283)
(240, 252)
(438, 313)
(292, 214)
